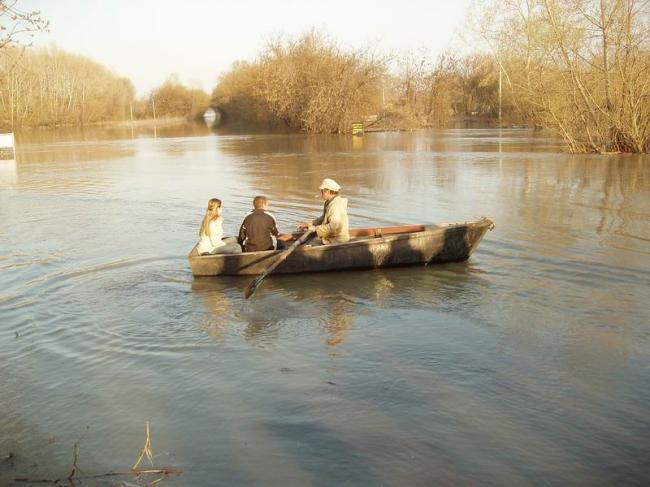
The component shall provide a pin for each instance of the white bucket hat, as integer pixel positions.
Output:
(330, 184)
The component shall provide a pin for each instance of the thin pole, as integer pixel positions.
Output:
(500, 94)
(155, 129)
(131, 111)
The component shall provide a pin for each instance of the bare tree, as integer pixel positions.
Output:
(174, 99)
(17, 25)
(47, 86)
(580, 67)
(307, 83)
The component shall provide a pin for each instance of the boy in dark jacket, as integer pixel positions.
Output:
(258, 227)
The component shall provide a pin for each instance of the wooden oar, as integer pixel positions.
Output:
(250, 289)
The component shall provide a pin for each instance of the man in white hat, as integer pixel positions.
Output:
(332, 225)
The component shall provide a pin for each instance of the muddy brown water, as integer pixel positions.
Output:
(528, 364)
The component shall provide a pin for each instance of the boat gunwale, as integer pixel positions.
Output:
(363, 241)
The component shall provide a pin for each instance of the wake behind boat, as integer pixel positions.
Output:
(368, 248)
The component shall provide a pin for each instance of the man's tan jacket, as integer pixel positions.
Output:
(332, 227)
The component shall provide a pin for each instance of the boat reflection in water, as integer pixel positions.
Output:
(333, 308)
(336, 301)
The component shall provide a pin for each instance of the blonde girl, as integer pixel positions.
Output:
(211, 231)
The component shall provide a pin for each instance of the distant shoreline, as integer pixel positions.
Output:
(139, 123)
(158, 123)
(144, 122)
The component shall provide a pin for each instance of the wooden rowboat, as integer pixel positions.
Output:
(367, 248)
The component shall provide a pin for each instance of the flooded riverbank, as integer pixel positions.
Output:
(527, 364)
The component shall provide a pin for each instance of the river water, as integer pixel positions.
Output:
(528, 364)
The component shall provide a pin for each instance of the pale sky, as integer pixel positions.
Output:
(148, 40)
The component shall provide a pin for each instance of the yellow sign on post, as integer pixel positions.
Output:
(357, 128)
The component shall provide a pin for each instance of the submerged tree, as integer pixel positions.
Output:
(580, 67)
(307, 84)
(428, 91)
(314, 85)
(238, 96)
(311, 84)
(174, 99)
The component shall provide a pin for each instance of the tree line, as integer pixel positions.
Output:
(49, 87)
(580, 68)
(311, 84)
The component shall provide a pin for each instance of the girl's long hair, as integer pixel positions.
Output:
(213, 212)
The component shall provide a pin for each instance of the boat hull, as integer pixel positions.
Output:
(433, 244)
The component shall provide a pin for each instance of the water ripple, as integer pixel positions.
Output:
(520, 363)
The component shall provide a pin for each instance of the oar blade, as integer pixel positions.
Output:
(250, 289)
